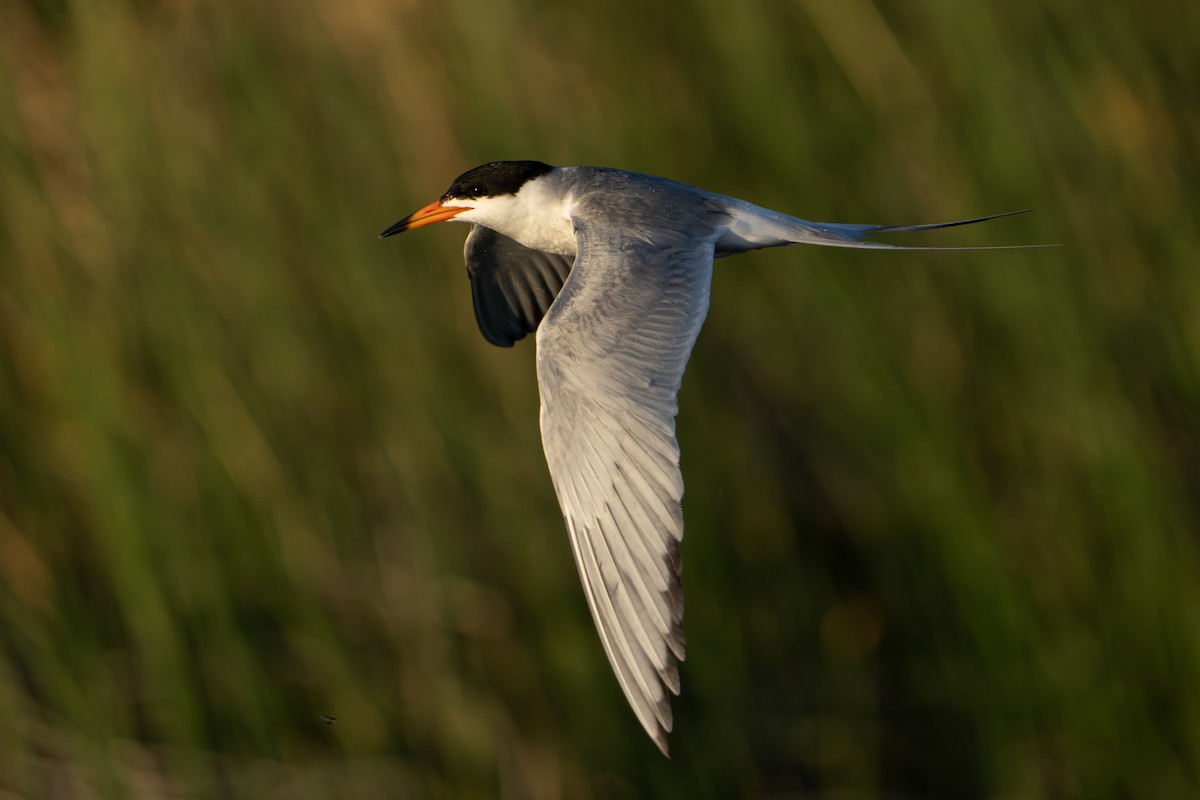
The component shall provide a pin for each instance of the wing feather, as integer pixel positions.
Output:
(611, 355)
(512, 286)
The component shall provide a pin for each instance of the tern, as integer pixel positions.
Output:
(613, 269)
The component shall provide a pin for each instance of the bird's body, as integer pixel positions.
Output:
(613, 271)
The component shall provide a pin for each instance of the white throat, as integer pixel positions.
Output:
(537, 216)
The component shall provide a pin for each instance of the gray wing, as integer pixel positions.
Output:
(611, 356)
(512, 286)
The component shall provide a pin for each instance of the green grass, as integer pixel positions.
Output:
(257, 467)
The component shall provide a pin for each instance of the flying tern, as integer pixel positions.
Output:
(612, 269)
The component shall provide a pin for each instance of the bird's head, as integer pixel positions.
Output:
(483, 195)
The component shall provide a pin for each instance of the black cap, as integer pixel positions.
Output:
(495, 179)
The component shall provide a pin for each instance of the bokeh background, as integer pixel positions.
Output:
(274, 518)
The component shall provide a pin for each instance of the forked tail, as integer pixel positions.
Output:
(756, 227)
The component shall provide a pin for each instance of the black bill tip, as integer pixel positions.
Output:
(399, 227)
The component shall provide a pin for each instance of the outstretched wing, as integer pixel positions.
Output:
(611, 356)
(512, 286)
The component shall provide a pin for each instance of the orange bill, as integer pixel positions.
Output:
(434, 212)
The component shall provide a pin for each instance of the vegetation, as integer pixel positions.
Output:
(274, 518)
